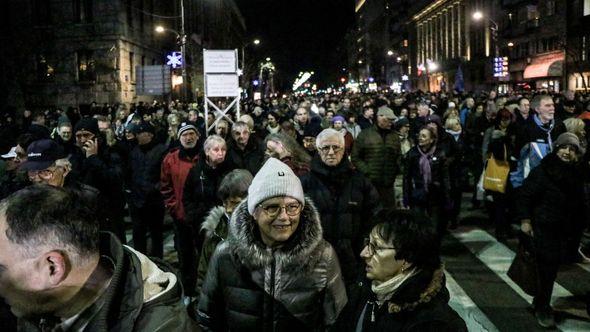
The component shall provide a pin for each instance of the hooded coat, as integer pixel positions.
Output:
(376, 154)
(250, 287)
(346, 199)
(215, 228)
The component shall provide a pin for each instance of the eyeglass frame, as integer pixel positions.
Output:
(281, 207)
(327, 148)
(372, 249)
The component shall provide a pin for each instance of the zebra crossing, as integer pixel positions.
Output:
(488, 300)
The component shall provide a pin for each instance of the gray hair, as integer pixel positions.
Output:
(211, 141)
(240, 125)
(329, 132)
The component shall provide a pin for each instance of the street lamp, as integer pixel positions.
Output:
(390, 52)
(254, 42)
(478, 16)
(181, 39)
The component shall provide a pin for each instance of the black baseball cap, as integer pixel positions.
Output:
(41, 154)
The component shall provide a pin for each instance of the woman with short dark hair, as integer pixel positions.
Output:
(407, 290)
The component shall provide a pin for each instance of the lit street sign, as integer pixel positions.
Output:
(501, 67)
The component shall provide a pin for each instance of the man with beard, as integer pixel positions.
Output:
(175, 169)
(345, 199)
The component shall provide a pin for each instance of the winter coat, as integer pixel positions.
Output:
(439, 188)
(145, 166)
(346, 200)
(143, 295)
(215, 228)
(250, 158)
(530, 131)
(420, 304)
(175, 169)
(249, 287)
(552, 197)
(200, 190)
(377, 156)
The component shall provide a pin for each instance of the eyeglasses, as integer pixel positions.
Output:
(273, 210)
(327, 148)
(373, 248)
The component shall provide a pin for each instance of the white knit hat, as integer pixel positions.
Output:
(274, 179)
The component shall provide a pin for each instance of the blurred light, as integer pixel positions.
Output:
(342, 79)
(477, 15)
(255, 82)
(390, 52)
(371, 79)
(360, 62)
(267, 59)
(405, 77)
(256, 41)
(399, 58)
(510, 44)
(432, 66)
(176, 80)
(159, 29)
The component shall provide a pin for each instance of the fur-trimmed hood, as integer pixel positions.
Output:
(302, 249)
(212, 220)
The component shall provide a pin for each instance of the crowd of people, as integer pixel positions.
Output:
(302, 213)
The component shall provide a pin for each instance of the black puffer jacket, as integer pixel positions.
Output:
(346, 200)
(552, 197)
(439, 188)
(420, 304)
(250, 287)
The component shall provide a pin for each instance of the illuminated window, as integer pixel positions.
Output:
(586, 7)
(86, 66)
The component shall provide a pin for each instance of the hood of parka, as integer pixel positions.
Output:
(302, 249)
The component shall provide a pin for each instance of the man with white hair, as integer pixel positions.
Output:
(345, 199)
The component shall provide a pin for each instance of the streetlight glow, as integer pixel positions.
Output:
(477, 16)
(267, 59)
(256, 41)
(432, 66)
(390, 52)
(159, 29)
(510, 44)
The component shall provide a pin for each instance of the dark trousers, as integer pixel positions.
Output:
(187, 255)
(387, 195)
(499, 213)
(149, 217)
(546, 275)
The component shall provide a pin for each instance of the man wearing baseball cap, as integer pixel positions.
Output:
(376, 154)
(46, 163)
(175, 169)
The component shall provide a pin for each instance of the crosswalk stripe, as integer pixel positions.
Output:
(475, 319)
(498, 258)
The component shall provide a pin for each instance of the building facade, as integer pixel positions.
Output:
(76, 52)
(446, 43)
(577, 47)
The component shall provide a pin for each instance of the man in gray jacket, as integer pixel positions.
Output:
(58, 273)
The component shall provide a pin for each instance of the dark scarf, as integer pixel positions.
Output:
(188, 153)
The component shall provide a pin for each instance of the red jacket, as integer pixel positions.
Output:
(174, 171)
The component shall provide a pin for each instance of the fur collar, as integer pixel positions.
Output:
(303, 249)
(428, 294)
(212, 220)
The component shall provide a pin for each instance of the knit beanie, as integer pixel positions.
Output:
(567, 139)
(186, 126)
(88, 124)
(274, 179)
(338, 118)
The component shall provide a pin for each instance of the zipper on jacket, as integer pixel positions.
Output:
(202, 178)
(272, 289)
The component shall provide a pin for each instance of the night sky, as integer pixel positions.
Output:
(300, 35)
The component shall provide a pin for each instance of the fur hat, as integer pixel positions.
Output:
(87, 124)
(274, 179)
